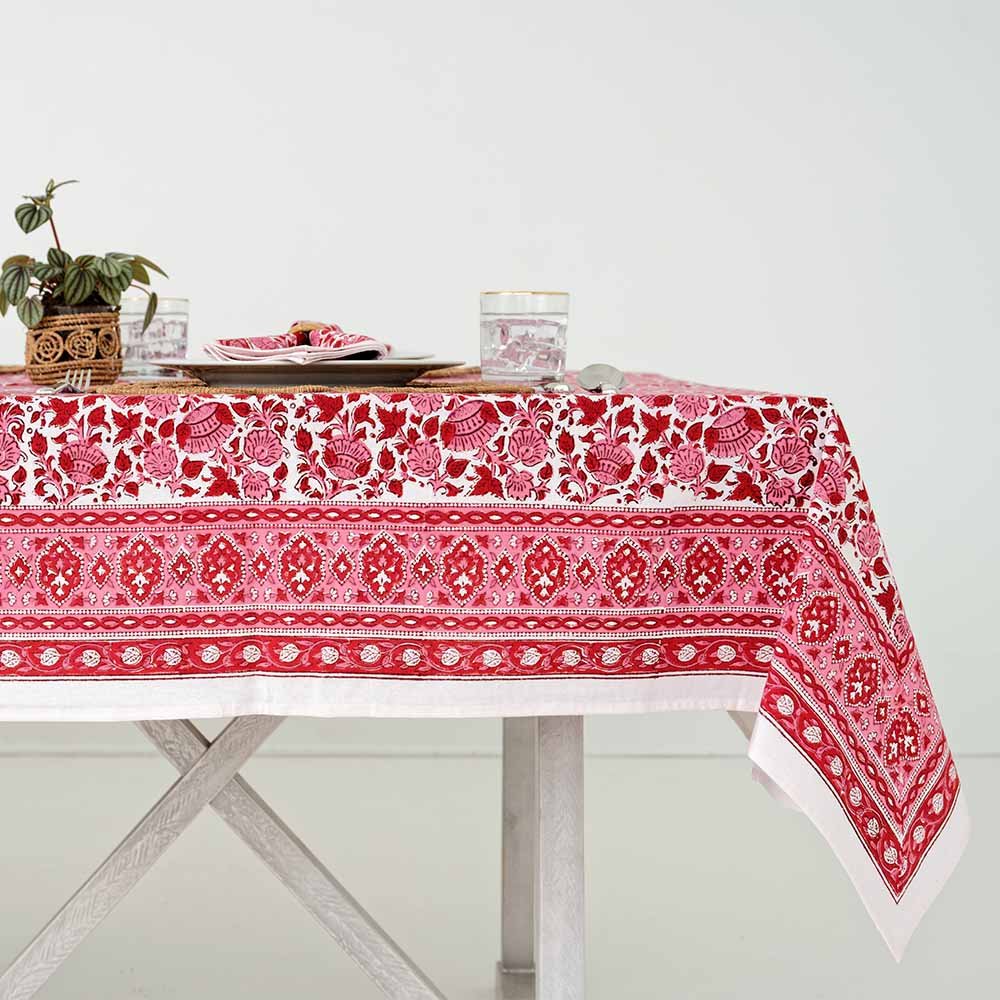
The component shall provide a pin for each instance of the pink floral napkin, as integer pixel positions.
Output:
(303, 344)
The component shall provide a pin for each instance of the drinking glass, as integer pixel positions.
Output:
(522, 336)
(165, 337)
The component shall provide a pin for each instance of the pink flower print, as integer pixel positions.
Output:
(424, 458)
(734, 433)
(519, 485)
(10, 450)
(256, 485)
(83, 463)
(609, 463)
(868, 540)
(831, 484)
(691, 407)
(470, 425)
(780, 491)
(348, 458)
(262, 446)
(206, 428)
(687, 463)
(527, 446)
(161, 460)
(900, 628)
(161, 406)
(790, 453)
(293, 338)
(426, 402)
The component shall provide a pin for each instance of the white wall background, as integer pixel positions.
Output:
(791, 195)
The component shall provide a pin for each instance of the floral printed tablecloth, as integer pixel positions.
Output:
(393, 554)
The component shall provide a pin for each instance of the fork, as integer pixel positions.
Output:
(76, 381)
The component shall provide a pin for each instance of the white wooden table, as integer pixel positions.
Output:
(542, 935)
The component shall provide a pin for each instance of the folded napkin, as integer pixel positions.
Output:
(303, 344)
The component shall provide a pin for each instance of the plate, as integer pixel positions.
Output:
(388, 371)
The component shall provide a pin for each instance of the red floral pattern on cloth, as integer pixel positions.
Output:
(668, 531)
(717, 445)
(273, 341)
(329, 336)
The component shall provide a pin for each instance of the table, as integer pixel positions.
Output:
(536, 557)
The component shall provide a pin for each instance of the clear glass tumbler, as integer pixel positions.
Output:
(522, 336)
(165, 337)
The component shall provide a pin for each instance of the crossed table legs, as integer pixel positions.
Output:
(543, 902)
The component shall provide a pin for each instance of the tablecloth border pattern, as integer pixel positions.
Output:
(390, 543)
(807, 786)
(709, 589)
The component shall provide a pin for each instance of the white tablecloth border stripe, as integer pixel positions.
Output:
(106, 700)
(798, 780)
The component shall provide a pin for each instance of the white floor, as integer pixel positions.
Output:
(699, 885)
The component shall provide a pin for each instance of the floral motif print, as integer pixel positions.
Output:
(262, 446)
(692, 407)
(520, 485)
(868, 541)
(10, 450)
(687, 463)
(528, 446)
(611, 464)
(734, 432)
(445, 535)
(161, 461)
(780, 492)
(347, 458)
(830, 482)
(470, 426)
(256, 485)
(83, 463)
(626, 572)
(206, 428)
(60, 570)
(424, 458)
(788, 452)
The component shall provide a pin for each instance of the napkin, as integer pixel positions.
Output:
(303, 344)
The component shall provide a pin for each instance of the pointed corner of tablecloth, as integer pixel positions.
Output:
(940, 862)
(792, 776)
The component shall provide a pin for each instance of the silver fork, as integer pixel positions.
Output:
(81, 381)
(76, 381)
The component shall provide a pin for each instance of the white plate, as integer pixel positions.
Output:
(387, 371)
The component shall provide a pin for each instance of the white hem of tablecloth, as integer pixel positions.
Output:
(896, 920)
(787, 774)
(108, 700)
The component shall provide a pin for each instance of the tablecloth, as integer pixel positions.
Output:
(441, 554)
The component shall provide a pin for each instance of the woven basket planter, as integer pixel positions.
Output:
(64, 343)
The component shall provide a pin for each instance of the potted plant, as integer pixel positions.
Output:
(70, 304)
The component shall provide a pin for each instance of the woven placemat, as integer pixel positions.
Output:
(465, 379)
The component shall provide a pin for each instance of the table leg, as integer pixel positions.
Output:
(543, 882)
(257, 825)
(516, 968)
(559, 873)
(136, 854)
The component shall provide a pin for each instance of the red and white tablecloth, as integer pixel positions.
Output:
(430, 555)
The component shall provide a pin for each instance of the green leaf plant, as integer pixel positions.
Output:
(33, 287)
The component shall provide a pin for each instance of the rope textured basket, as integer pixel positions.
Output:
(62, 344)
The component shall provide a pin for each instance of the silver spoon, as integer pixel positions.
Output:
(601, 378)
